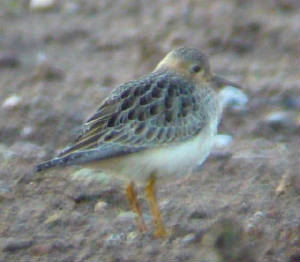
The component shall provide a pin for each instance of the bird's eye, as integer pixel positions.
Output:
(196, 68)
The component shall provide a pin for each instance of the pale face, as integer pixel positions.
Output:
(194, 65)
(188, 62)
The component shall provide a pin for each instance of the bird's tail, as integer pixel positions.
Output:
(81, 157)
(68, 160)
(55, 162)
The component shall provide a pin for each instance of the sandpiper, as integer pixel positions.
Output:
(157, 127)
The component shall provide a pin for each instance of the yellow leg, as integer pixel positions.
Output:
(154, 208)
(131, 195)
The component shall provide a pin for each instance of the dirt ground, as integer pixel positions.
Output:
(55, 68)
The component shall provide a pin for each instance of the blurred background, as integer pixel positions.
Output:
(60, 58)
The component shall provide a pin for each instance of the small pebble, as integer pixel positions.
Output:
(187, 240)
(234, 98)
(223, 140)
(279, 119)
(41, 58)
(283, 182)
(42, 5)
(132, 236)
(87, 175)
(115, 240)
(27, 131)
(54, 219)
(126, 217)
(255, 219)
(100, 206)
(12, 102)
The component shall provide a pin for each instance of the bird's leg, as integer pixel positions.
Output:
(133, 201)
(154, 208)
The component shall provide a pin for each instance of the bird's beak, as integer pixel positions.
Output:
(221, 82)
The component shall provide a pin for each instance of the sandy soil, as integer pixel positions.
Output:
(57, 66)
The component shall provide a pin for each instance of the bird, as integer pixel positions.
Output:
(155, 128)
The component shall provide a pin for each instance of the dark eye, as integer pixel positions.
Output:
(196, 68)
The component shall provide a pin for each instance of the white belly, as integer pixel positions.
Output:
(168, 163)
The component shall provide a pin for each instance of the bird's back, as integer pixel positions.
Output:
(157, 111)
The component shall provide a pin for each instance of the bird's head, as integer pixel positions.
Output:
(194, 65)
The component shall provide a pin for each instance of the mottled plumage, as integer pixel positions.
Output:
(160, 109)
(160, 125)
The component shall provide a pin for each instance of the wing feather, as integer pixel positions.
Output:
(159, 109)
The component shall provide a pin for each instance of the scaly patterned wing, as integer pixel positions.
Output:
(159, 109)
